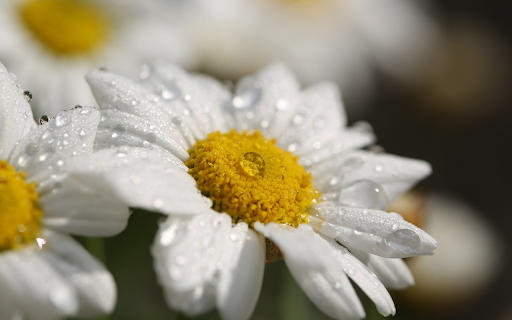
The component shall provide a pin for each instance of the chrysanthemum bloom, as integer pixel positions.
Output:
(51, 44)
(271, 162)
(342, 41)
(44, 273)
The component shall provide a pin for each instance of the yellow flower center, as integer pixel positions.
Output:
(251, 179)
(65, 26)
(20, 216)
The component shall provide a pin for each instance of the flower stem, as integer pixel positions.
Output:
(96, 247)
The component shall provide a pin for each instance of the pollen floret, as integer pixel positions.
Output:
(251, 179)
(20, 215)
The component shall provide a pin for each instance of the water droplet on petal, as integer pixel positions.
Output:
(363, 127)
(119, 127)
(335, 182)
(248, 93)
(359, 230)
(62, 119)
(171, 92)
(158, 203)
(150, 137)
(43, 119)
(27, 95)
(404, 240)
(379, 168)
(253, 164)
(364, 194)
(176, 121)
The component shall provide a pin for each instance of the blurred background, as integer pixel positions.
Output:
(431, 77)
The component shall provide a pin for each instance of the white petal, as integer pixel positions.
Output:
(395, 174)
(317, 120)
(393, 273)
(374, 231)
(45, 151)
(254, 105)
(15, 114)
(141, 178)
(365, 279)
(118, 128)
(203, 96)
(239, 287)
(116, 92)
(346, 140)
(94, 285)
(192, 256)
(39, 291)
(314, 266)
(73, 207)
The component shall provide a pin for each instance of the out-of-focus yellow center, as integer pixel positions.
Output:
(251, 179)
(65, 26)
(20, 215)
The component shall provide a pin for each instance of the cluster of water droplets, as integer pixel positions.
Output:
(56, 140)
(369, 230)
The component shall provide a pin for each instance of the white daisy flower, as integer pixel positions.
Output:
(337, 40)
(44, 273)
(211, 250)
(51, 44)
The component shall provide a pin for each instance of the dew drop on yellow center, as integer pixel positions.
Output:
(251, 179)
(20, 215)
(65, 26)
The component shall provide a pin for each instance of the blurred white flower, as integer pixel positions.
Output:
(337, 40)
(51, 44)
(206, 258)
(44, 273)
